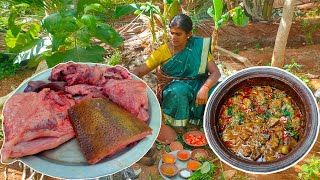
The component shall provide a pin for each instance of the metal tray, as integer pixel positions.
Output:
(67, 162)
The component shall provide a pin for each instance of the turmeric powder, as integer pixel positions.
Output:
(168, 170)
(168, 160)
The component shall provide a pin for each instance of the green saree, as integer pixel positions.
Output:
(187, 73)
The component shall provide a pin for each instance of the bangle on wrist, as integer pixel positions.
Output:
(206, 85)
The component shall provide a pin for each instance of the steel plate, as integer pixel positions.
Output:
(67, 161)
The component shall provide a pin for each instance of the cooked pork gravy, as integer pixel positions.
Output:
(260, 123)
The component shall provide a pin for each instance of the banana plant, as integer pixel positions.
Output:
(171, 8)
(259, 10)
(150, 10)
(236, 14)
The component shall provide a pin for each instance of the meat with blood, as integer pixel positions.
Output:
(34, 122)
(74, 73)
(130, 94)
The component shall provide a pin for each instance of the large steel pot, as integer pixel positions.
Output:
(262, 76)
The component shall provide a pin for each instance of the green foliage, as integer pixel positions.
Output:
(294, 67)
(4, 14)
(237, 15)
(309, 30)
(236, 51)
(126, 9)
(71, 31)
(77, 54)
(218, 7)
(107, 34)
(7, 68)
(115, 58)
(49, 5)
(148, 9)
(311, 170)
(21, 36)
(310, 25)
(35, 54)
(258, 45)
(205, 172)
(159, 145)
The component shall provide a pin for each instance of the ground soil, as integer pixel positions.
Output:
(254, 42)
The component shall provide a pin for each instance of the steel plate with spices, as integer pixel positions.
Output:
(261, 123)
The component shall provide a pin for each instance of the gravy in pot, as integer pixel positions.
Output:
(261, 123)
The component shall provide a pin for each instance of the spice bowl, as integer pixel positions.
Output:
(198, 154)
(195, 138)
(175, 146)
(169, 169)
(193, 165)
(185, 173)
(183, 155)
(168, 158)
(166, 135)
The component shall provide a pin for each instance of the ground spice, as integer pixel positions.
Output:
(168, 160)
(193, 165)
(183, 155)
(168, 170)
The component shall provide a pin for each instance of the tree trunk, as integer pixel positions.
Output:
(229, 7)
(267, 9)
(278, 56)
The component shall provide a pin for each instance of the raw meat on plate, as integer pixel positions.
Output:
(130, 94)
(34, 122)
(104, 128)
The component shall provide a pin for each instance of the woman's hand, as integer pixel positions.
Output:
(202, 96)
(141, 70)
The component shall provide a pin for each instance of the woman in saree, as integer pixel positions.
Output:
(186, 72)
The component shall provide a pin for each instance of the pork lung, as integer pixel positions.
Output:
(36, 86)
(116, 82)
(104, 128)
(130, 94)
(73, 73)
(34, 122)
(84, 91)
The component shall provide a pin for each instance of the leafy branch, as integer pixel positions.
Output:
(236, 14)
(311, 170)
(205, 172)
(70, 30)
(151, 11)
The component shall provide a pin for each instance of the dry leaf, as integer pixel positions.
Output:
(229, 174)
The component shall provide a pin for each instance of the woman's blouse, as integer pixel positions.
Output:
(161, 55)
